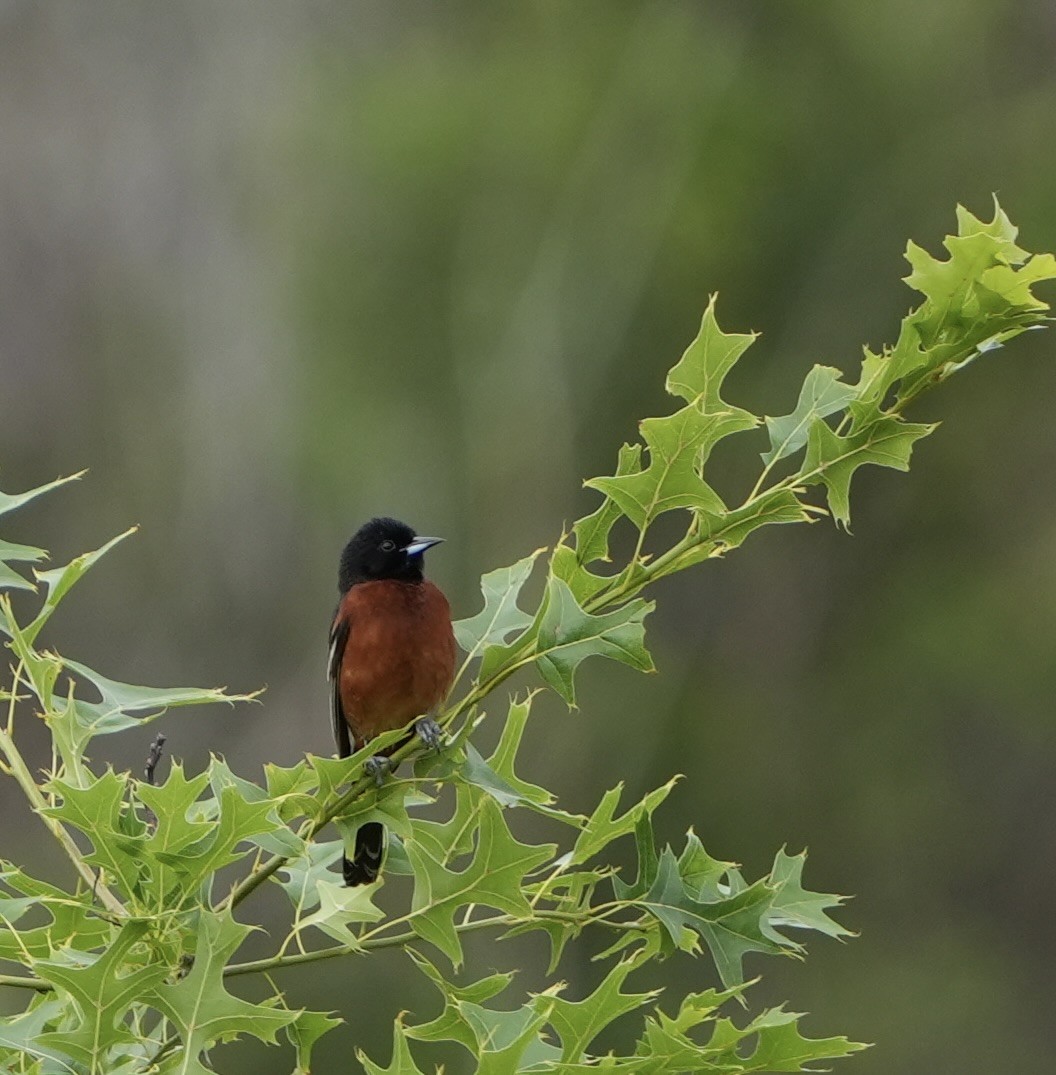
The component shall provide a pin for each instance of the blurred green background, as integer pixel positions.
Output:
(269, 269)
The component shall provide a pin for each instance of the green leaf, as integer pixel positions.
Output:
(42, 669)
(704, 875)
(579, 1022)
(950, 286)
(603, 827)
(709, 897)
(103, 991)
(1014, 285)
(509, 1042)
(60, 580)
(277, 839)
(771, 1042)
(501, 1042)
(568, 895)
(781, 1047)
(333, 774)
(171, 803)
(698, 375)
(568, 635)
(493, 879)
(584, 584)
(128, 698)
(832, 459)
(339, 907)
(648, 862)
(202, 1010)
(774, 507)
(822, 394)
(402, 1061)
(678, 443)
(452, 1024)
(233, 822)
(592, 531)
(100, 812)
(731, 926)
(450, 840)
(504, 757)
(13, 501)
(22, 1034)
(305, 871)
(667, 1044)
(75, 723)
(794, 906)
(15, 553)
(74, 922)
(500, 616)
(304, 1032)
(497, 776)
(292, 789)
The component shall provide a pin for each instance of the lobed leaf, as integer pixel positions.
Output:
(578, 1023)
(200, 1007)
(592, 532)
(568, 635)
(494, 878)
(500, 617)
(698, 375)
(822, 394)
(103, 991)
(677, 444)
(14, 501)
(60, 580)
(832, 459)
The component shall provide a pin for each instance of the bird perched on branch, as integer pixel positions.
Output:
(392, 656)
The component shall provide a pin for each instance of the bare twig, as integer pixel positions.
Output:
(153, 757)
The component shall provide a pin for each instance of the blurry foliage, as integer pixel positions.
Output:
(130, 973)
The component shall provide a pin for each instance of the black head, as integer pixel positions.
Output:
(383, 549)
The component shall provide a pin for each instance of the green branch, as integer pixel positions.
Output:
(402, 940)
(18, 982)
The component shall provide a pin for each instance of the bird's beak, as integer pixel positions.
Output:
(420, 544)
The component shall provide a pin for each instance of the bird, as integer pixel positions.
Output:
(391, 657)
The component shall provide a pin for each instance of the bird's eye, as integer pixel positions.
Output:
(387, 545)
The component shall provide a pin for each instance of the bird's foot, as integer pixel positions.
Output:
(378, 767)
(430, 733)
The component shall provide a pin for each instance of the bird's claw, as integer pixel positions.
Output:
(378, 767)
(430, 733)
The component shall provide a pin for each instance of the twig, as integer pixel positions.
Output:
(401, 940)
(18, 982)
(153, 757)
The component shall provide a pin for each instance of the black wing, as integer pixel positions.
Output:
(338, 638)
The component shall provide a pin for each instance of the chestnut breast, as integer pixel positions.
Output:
(399, 660)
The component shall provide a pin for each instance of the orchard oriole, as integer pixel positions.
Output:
(392, 656)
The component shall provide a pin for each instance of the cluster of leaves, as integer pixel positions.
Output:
(131, 967)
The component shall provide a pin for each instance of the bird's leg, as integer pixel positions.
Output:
(429, 732)
(378, 767)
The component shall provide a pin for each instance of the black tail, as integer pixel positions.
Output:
(364, 866)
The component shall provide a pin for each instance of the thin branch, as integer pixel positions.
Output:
(401, 940)
(18, 982)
